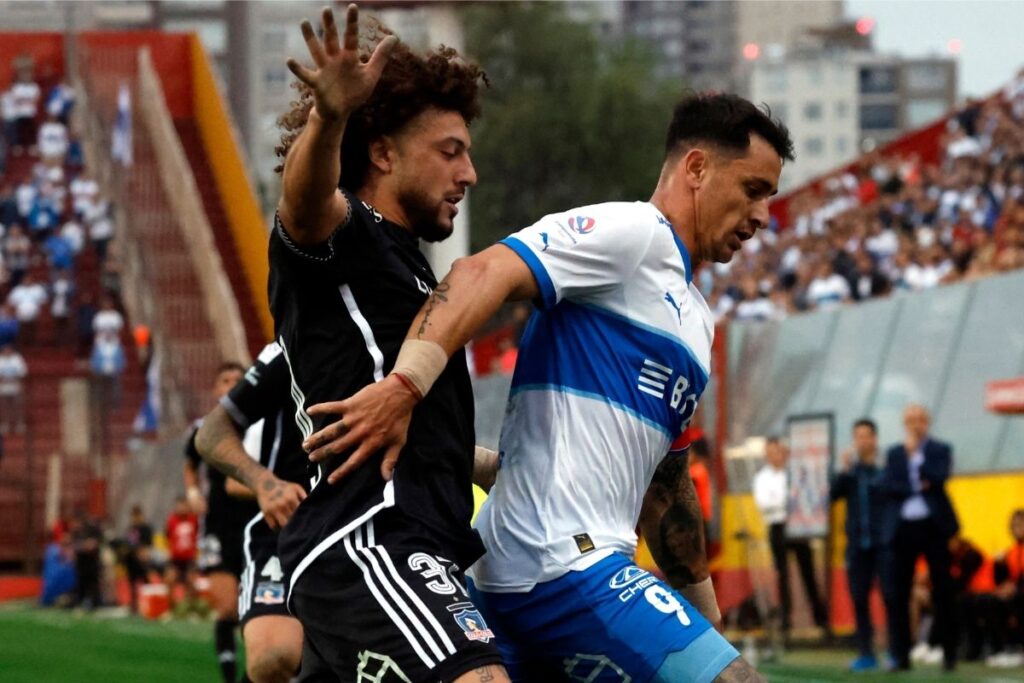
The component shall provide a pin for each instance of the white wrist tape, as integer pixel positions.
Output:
(702, 596)
(421, 362)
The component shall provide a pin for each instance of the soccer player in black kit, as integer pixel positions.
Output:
(220, 539)
(377, 157)
(273, 638)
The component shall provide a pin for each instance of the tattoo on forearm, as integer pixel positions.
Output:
(438, 297)
(677, 542)
(219, 447)
(739, 671)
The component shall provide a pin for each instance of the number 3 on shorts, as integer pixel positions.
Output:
(664, 601)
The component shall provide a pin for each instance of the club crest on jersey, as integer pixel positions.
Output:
(472, 622)
(626, 576)
(269, 593)
(582, 224)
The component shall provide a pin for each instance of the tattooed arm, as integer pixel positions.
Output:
(672, 524)
(377, 417)
(219, 443)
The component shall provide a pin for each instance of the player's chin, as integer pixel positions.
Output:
(725, 253)
(437, 231)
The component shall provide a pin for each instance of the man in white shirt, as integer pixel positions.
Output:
(828, 289)
(28, 299)
(12, 400)
(771, 495)
(53, 140)
(26, 96)
(108, 321)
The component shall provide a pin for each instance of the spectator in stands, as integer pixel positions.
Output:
(107, 363)
(139, 540)
(60, 102)
(9, 116)
(85, 194)
(74, 235)
(62, 290)
(52, 141)
(87, 538)
(44, 215)
(108, 320)
(101, 228)
(9, 325)
(754, 305)
(8, 205)
(85, 312)
(1009, 594)
(771, 495)
(17, 253)
(28, 299)
(58, 253)
(12, 393)
(868, 280)
(919, 520)
(26, 95)
(858, 484)
(828, 289)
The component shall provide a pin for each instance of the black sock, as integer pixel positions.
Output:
(224, 641)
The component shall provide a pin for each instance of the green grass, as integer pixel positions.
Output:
(54, 646)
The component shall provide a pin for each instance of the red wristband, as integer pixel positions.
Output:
(408, 385)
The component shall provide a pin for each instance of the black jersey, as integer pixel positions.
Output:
(341, 311)
(265, 394)
(226, 515)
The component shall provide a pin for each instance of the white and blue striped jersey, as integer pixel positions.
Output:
(608, 375)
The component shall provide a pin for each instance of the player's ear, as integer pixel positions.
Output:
(695, 165)
(382, 154)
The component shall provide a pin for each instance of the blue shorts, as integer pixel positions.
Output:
(611, 622)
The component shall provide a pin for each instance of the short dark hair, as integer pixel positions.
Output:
(1019, 512)
(727, 121)
(230, 366)
(866, 422)
(772, 440)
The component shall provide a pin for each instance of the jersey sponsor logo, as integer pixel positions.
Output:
(471, 622)
(653, 379)
(269, 593)
(677, 307)
(638, 587)
(582, 224)
(626, 576)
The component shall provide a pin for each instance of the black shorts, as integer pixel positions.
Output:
(383, 604)
(264, 584)
(221, 552)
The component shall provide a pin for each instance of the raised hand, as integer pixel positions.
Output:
(339, 80)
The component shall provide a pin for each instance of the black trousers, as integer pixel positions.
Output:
(915, 538)
(87, 568)
(781, 547)
(863, 566)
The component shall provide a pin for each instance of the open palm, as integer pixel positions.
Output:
(340, 81)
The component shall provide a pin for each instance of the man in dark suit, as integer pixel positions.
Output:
(919, 520)
(858, 483)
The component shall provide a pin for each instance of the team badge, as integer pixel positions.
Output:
(626, 576)
(472, 622)
(269, 593)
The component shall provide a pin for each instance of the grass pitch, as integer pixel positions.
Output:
(54, 646)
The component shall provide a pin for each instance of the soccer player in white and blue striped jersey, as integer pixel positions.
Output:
(609, 373)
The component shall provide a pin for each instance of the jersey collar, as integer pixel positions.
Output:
(684, 253)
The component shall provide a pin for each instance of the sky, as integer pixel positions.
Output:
(991, 33)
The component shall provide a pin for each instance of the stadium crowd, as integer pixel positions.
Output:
(51, 213)
(891, 224)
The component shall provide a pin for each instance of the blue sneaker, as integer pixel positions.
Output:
(864, 663)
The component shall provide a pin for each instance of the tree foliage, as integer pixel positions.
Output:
(570, 119)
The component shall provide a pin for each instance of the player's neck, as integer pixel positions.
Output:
(679, 213)
(385, 203)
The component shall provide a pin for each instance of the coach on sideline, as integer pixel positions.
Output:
(919, 520)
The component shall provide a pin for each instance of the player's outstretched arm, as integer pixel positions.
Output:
(377, 417)
(220, 445)
(673, 527)
(311, 206)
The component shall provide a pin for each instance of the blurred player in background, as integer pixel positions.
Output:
(182, 531)
(273, 638)
(224, 519)
(608, 375)
(381, 161)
